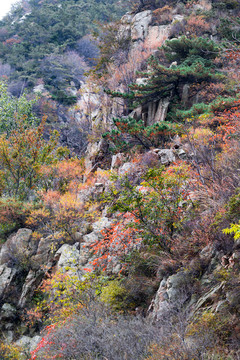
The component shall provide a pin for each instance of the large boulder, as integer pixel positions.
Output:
(166, 156)
(126, 168)
(18, 249)
(178, 285)
(173, 292)
(160, 304)
(8, 312)
(27, 343)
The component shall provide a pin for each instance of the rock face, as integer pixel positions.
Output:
(44, 254)
(69, 257)
(31, 283)
(6, 278)
(117, 161)
(140, 24)
(85, 256)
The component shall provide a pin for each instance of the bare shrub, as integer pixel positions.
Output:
(96, 334)
(59, 70)
(5, 70)
(88, 48)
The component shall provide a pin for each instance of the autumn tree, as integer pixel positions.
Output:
(15, 111)
(22, 154)
(157, 205)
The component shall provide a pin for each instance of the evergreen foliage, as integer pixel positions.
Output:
(132, 132)
(192, 63)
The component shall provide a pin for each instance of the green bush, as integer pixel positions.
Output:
(114, 294)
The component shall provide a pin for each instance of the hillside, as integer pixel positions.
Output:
(45, 40)
(119, 180)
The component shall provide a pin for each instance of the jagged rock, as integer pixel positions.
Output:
(233, 298)
(166, 156)
(32, 281)
(94, 151)
(89, 239)
(208, 252)
(78, 236)
(69, 256)
(125, 168)
(141, 81)
(6, 277)
(161, 112)
(181, 154)
(208, 297)
(124, 31)
(117, 160)
(136, 113)
(151, 111)
(18, 248)
(140, 24)
(44, 254)
(8, 312)
(177, 285)
(27, 343)
(34, 342)
(101, 224)
(24, 342)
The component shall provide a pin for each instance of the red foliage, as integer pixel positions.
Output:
(12, 41)
(44, 343)
(117, 242)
